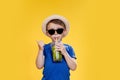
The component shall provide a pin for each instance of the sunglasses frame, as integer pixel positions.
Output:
(55, 30)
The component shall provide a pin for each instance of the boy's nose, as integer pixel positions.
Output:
(55, 32)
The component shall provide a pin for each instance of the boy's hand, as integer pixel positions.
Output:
(40, 45)
(60, 47)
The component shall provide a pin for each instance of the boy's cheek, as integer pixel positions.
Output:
(64, 33)
(48, 34)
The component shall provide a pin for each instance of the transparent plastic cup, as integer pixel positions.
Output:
(57, 56)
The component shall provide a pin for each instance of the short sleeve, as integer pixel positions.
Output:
(46, 49)
(71, 52)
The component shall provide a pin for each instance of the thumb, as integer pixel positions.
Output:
(37, 42)
(40, 43)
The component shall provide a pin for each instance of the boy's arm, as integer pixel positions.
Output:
(70, 61)
(40, 59)
(40, 56)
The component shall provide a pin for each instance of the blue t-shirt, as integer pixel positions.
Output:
(56, 70)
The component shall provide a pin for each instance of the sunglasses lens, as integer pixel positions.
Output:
(51, 32)
(59, 31)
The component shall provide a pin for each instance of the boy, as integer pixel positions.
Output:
(55, 27)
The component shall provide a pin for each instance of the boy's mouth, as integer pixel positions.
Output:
(56, 37)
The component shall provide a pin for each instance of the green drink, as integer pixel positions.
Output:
(57, 56)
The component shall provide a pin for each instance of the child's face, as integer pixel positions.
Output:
(55, 31)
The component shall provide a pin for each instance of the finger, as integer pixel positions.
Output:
(40, 43)
(61, 43)
(37, 41)
(58, 49)
(56, 39)
(58, 45)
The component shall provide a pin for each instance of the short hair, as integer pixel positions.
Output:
(56, 21)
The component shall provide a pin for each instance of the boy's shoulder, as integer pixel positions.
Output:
(47, 45)
(66, 45)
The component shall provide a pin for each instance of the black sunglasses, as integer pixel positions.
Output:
(52, 31)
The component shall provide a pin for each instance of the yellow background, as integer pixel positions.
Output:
(94, 35)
